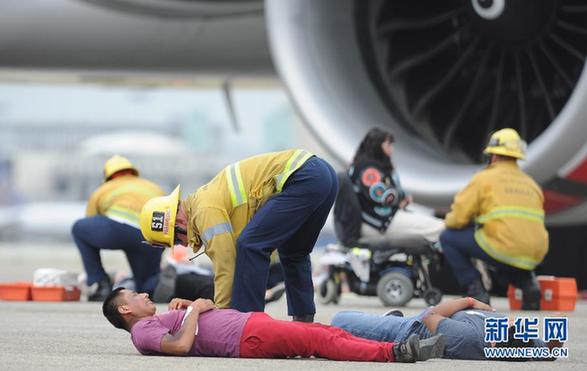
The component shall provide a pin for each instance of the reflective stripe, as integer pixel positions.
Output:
(515, 261)
(124, 221)
(215, 230)
(527, 213)
(236, 187)
(130, 216)
(371, 220)
(296, 160)
(299, 157)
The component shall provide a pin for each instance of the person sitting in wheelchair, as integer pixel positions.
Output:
(382, 199)
(371, 223)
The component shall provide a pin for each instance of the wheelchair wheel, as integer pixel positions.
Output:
(328, 292)
(432, 296)
(395, 289)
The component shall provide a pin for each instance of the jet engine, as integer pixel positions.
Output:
(442, 75)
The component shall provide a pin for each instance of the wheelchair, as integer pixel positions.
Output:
(394, 273)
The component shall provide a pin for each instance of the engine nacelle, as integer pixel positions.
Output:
(442, 75)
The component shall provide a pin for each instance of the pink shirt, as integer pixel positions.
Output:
(219, 332)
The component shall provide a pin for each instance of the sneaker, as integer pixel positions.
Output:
(394, 312)
(407, 351)
(432, 347)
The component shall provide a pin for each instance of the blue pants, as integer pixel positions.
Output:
(99, 232)
(289, 222)
(380, 328)
(459, 246)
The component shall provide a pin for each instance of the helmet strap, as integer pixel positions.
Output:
(179, 230)
(194, 257)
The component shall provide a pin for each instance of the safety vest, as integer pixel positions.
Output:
(236, 185)
(506, 206)
(221, 209)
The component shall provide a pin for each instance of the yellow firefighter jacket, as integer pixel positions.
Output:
(506, 206)
(219, 211)
(122, 198)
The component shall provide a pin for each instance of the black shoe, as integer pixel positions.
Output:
(432, 347)
(531, 296)
(394, 312)
(304, 318)
(104, 288)
(408, 351)
(275, 293)
(476, 290)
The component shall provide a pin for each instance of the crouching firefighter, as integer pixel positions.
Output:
(274, 201)
(498, 218)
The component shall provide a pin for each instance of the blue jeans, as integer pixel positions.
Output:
(96, 233)
(459, 246)
(289, 222)
(380, 328)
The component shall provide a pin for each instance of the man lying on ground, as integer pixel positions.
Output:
(461, 321)
(199, 329)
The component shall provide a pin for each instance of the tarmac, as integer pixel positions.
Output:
(75, 336)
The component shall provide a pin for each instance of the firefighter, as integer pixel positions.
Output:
(112, 222)
(498, 218)
(274, 201)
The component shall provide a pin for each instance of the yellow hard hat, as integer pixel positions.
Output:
(506, 142)
(115, 164)
(158, 219)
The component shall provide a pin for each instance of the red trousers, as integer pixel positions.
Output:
(265, 337)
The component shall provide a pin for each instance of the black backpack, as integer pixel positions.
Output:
(347, 212)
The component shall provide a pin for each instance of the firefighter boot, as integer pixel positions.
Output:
(304, 318)
(477, 291)
(104, 288)
(530, 294)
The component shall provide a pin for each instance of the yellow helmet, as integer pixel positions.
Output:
(506, 142)
(158, 219)
(115, 164)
